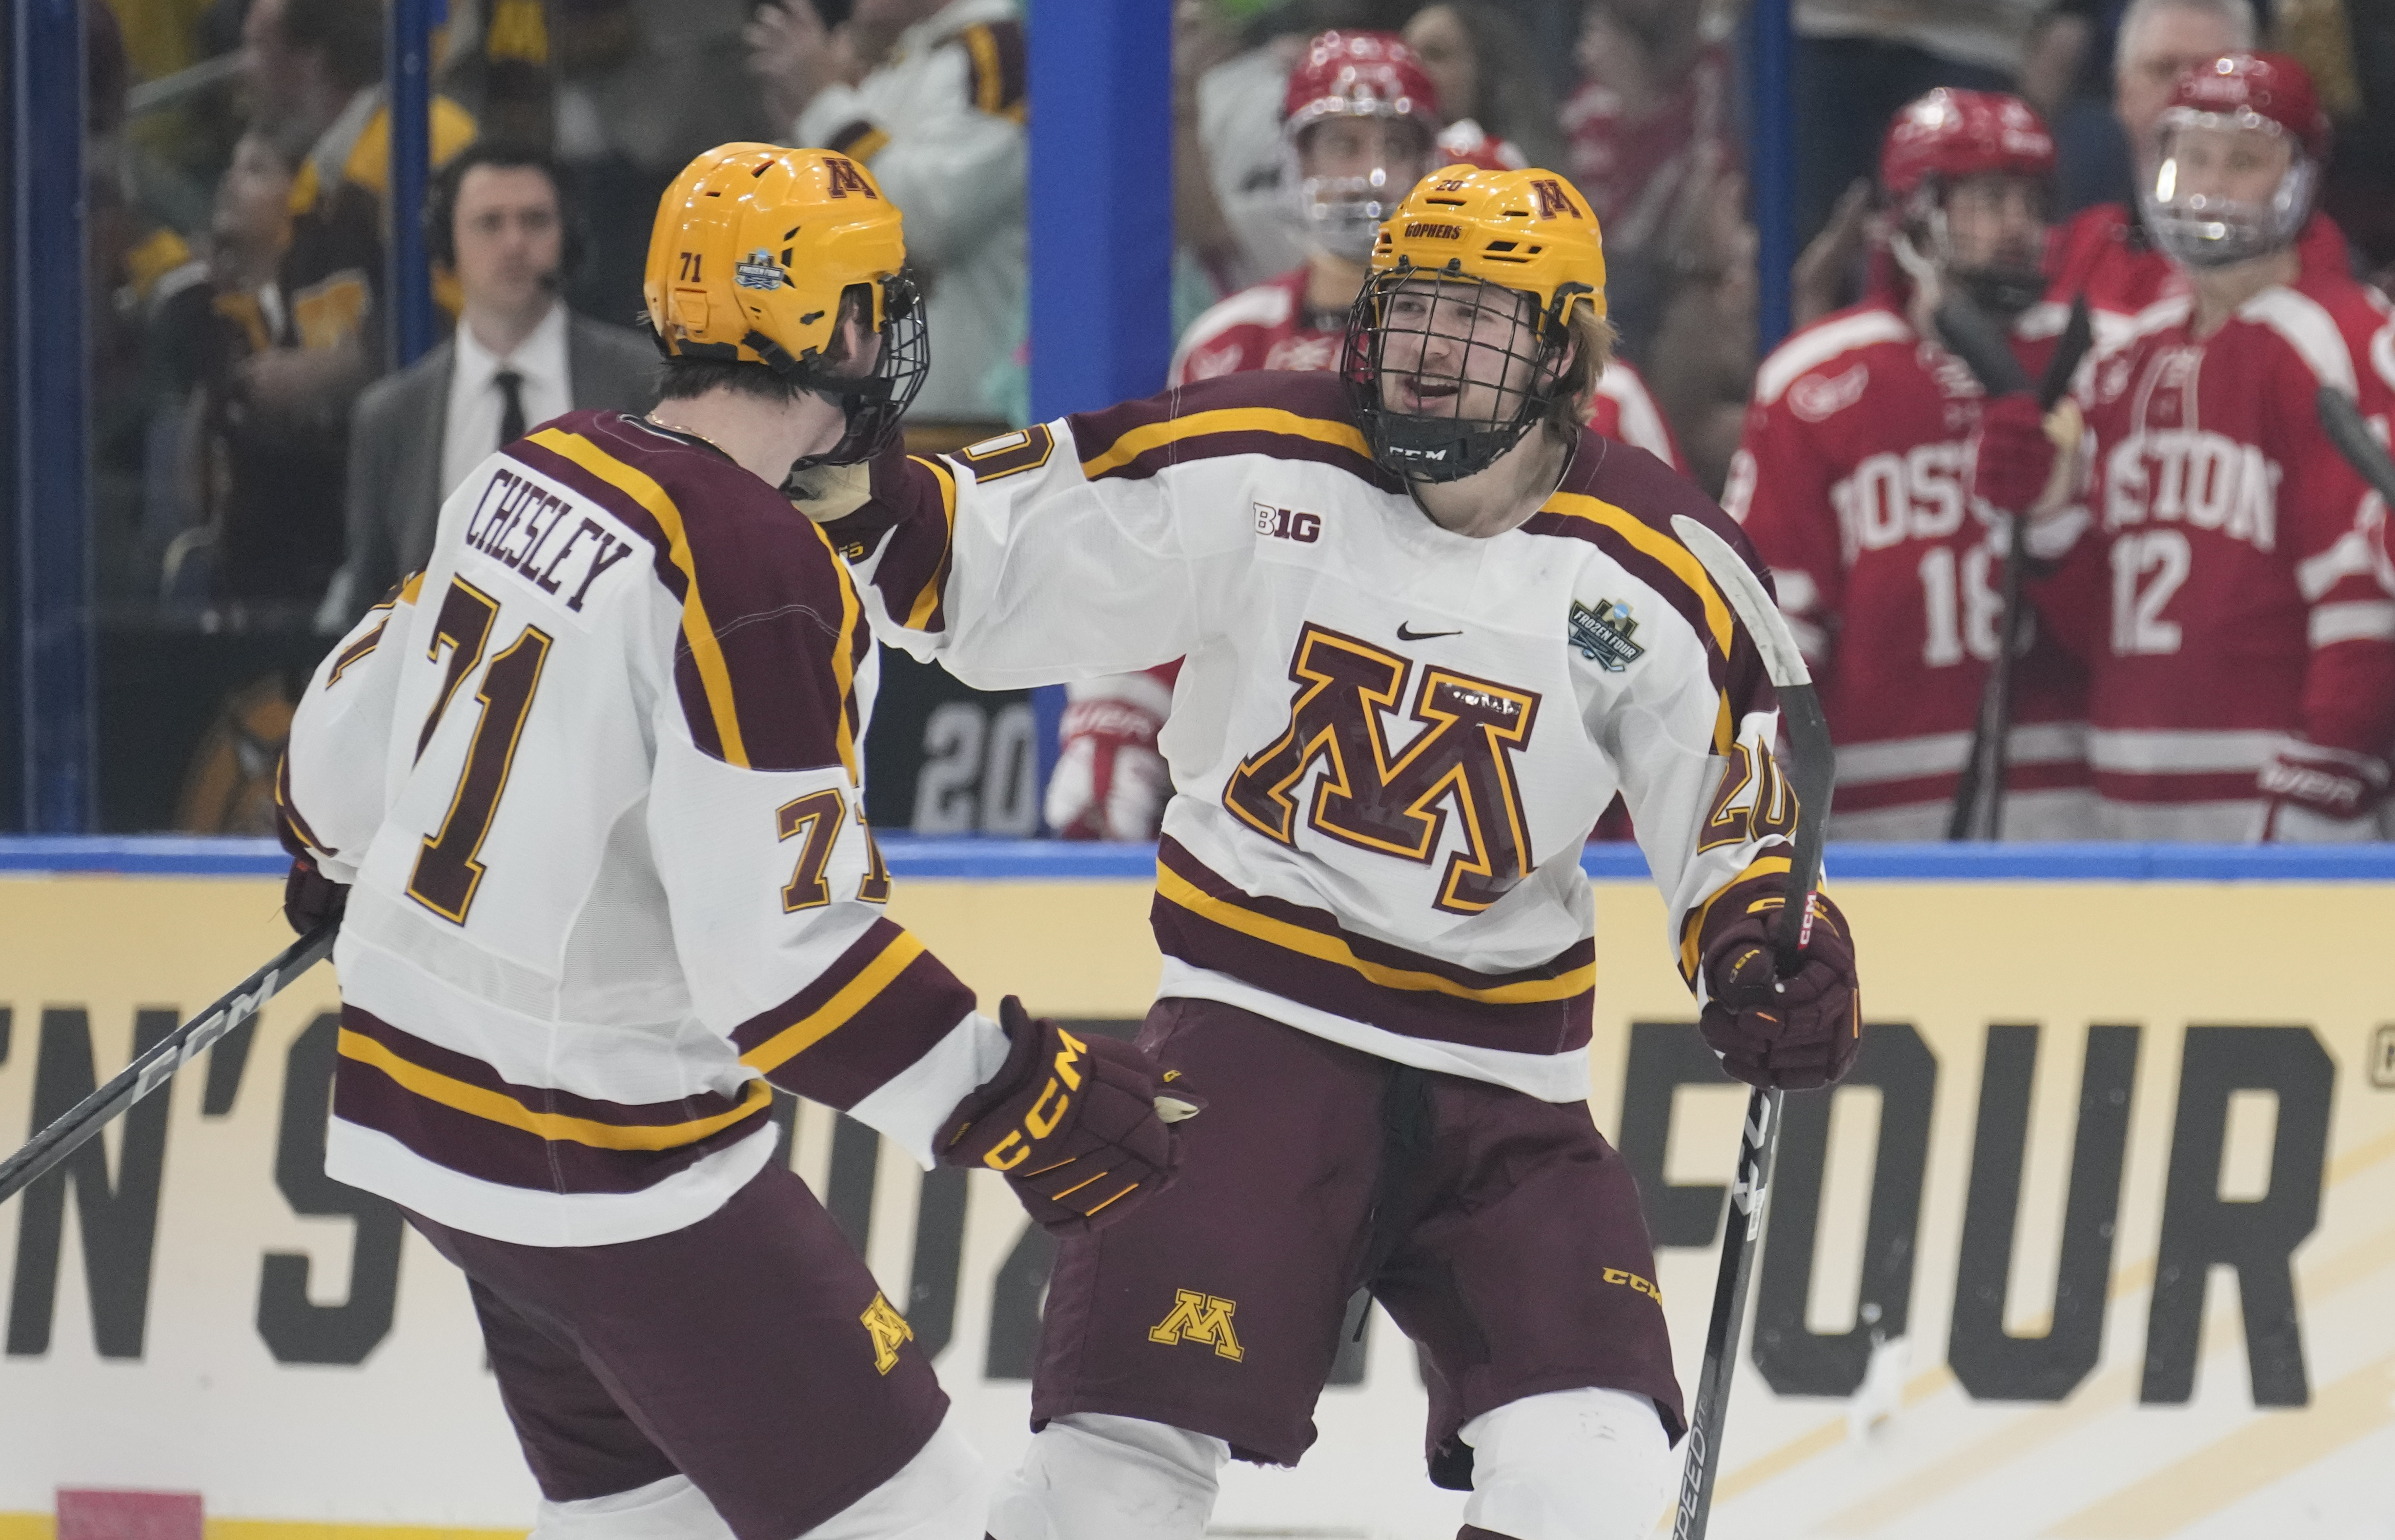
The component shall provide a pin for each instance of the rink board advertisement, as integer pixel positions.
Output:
(2098, 1242)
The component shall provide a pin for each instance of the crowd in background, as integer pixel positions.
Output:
(258, 466)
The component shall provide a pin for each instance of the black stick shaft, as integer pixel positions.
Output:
(155, 1068)
(2350, 431)
(1978, 810)
(1748, 1196)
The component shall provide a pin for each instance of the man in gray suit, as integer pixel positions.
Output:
(497, 218)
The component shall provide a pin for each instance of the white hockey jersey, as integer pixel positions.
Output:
(1389, 741)
(594, 779)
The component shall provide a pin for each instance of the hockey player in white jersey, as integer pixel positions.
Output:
(589, 787)
(1432, 625)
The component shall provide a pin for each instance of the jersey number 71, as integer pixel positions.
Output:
(446, 871)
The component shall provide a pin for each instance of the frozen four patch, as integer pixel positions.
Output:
(1603, 634)
(759, 272)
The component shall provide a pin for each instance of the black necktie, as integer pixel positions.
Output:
(511, 422)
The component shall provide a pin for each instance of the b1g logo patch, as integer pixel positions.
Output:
(1288, 523)
(1603, 634)
(888, 1329)
(759, 272)
(1202, 1317)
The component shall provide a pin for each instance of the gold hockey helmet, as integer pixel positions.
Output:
(1527, 229)
(1422, 314)
(754, 251)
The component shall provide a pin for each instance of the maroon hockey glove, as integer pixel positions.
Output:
(1076, 1124)
(2334, 783)
(1790, 1033)
(310, 897)
(2011, 457)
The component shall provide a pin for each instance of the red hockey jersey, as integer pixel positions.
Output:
(2103, 252)
(1853, 482)
(2227, 586)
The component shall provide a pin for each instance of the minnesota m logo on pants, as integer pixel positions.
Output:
(1200, 1318)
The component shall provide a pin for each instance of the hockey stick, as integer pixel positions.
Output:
(1979, 811)
(2345, 428)
(154, 1069)
(1813, 777)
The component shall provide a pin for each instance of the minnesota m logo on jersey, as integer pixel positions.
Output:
(888, 1329)
(1462, 759)
(1200, 1317)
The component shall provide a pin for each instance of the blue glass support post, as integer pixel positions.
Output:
(1772, 155)
(407, 60)
(49, 381)
(1100, 82)
(1101, 201)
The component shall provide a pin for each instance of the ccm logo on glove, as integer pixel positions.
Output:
(1041, 1121)
(1077, 1127)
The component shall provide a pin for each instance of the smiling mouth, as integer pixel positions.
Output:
(1420, 391)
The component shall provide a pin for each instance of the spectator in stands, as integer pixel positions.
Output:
(262, 534)
(1490, 88)
(1232, 203)
(315, 73)
(1858, 61)
(2104, 251)
(1850, 478)
(940, 121)
(1652, 131)
(499, 218)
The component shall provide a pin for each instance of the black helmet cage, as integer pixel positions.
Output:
(1448, 447)
(872, 403)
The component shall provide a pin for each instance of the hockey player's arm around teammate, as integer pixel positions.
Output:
(1111, 540)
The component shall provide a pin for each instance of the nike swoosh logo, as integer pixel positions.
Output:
(1406, 633)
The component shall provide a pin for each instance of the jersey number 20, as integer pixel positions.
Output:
(446, 872)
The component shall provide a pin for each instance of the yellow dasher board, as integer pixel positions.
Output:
(2099, 1242)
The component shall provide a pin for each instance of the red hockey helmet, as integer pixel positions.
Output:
(1948, 135)
(1351, 75)
(2202, 206)
(2257, 90)
(1359, 74)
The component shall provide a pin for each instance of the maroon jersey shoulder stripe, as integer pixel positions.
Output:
(772, 633)
(1282, 415)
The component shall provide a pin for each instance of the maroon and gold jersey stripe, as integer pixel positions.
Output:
(996, 67)
(877, 1009)
(698, 633)
(454, 1110)
(1304, 955)
(466, 1084)
(772, 630)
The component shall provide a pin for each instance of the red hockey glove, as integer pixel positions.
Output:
(2012, 459)
(2334, 783)
(1110, 783)
(1791, 1033)
(1076, 1124)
